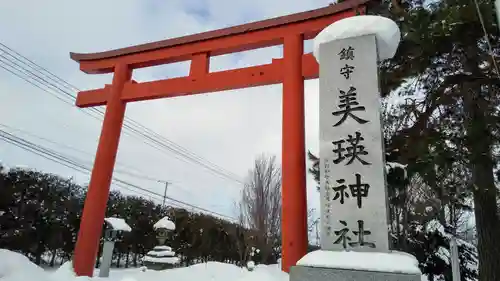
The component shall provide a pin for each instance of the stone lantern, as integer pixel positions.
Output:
(161, 257)
(112, 233)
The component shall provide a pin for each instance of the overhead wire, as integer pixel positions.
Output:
(40, 80)
(153, 139)
(118, 163)
(149, 196)
(76, 165)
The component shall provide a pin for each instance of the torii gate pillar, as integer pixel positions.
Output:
(294, 196)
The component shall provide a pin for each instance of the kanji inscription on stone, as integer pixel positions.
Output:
(346, 241)
(347, 53)
(348, 106)
(352, 173)
(349, 149)
(356, 190)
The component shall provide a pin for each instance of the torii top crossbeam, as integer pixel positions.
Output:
(291, 70)
(200, 47)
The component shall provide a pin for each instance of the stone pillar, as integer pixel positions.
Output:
(353, 193)
(354, 216)
(107, 254)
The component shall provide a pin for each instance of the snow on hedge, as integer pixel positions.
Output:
(4, 169)
(395, 165)
(21, 167)
(445, 254)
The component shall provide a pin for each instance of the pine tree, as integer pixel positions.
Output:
(445, 68)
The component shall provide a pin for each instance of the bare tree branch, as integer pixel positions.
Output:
(261, 203)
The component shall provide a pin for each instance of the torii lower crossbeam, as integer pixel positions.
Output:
(291, 70)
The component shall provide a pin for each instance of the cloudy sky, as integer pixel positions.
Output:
(229, 129)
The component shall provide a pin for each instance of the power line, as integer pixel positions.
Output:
(78, 166)
(172, 199)
(58, 84)
(116, 170)
(45, 153)
(146, 195)
(34, 84)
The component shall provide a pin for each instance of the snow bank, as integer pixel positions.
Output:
(16, 267)
(211, 271)
(118, 224)
(250, 265)
(164, 223)
(385, 30)
(396, 262)
(64, 272)
(263, 273)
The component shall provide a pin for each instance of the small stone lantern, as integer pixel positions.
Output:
(161, 257)
(112, 233)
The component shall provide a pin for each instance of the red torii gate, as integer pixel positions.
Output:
(291, 70)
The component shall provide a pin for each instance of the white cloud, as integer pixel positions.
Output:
(228, 128)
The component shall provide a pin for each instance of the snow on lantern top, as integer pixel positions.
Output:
(165, 223)
(118, 224)
(385, 30)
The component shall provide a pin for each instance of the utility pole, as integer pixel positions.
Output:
(455, 260)
(497, 8)
(165, 192)
(454, 254)
(317, 232)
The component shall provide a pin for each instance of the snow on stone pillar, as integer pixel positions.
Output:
(354, 220)
(114, 228)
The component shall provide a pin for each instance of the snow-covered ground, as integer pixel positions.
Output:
(16, 267)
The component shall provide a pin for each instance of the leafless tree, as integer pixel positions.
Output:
(260, 208)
